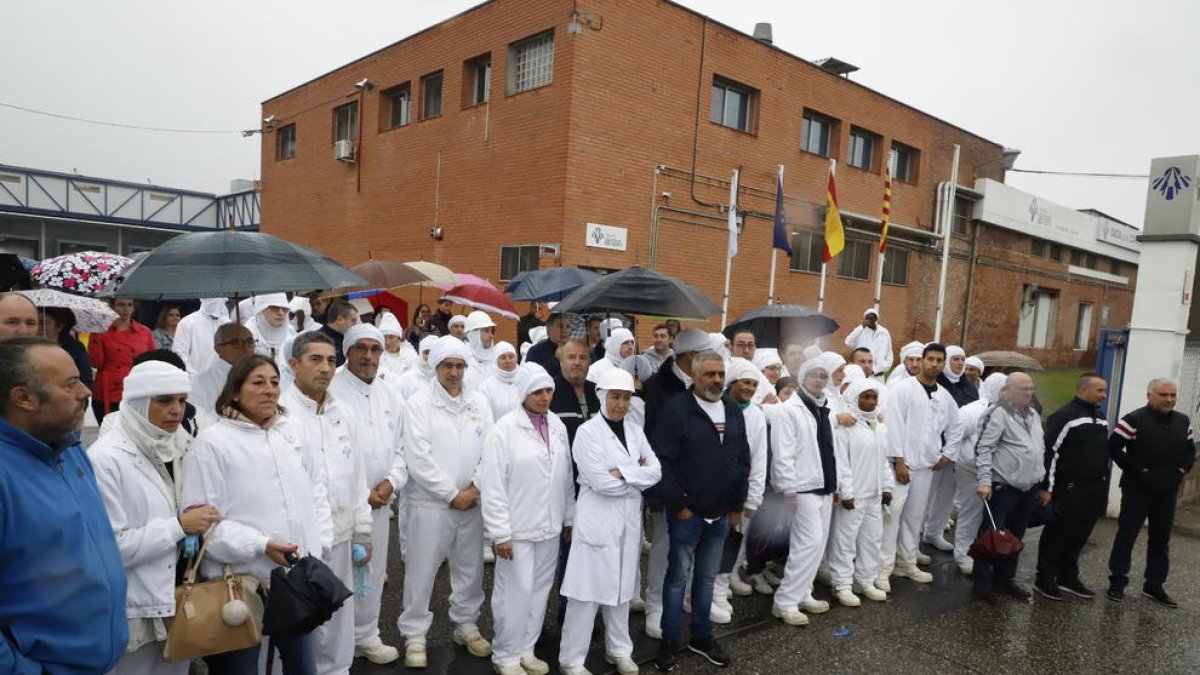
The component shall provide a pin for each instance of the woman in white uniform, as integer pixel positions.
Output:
(618, 347)
(498, 388)
(615, 465)
(137, 465)
(398, 354)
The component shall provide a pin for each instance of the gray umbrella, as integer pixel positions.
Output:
(638, 290)
(1006, 359)
(773, 325)
(229, 264)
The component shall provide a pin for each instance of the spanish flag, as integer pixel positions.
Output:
(887, 209)
(835, 237)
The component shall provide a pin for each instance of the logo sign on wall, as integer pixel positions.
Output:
(1171, 183)
(1173, 197)
(606, 236)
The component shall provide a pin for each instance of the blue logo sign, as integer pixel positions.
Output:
(1171, 183)
(598, 236)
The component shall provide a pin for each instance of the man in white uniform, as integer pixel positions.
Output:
(194, 334)
(231, 342)
(874, 337)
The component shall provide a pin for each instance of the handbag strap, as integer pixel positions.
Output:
(189, 575)
(989, 512)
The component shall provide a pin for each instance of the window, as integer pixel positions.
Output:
(477, 80)
(285, 142)
(863, 145)
(1115, 266)
(1037, 248)
(1083, 326)
(65, 247)
(816, 131)
(963, 210)
(854, 262)
(895, 267)
(1039, 314)
(806, 251)
(399, 106)
(431, 95)
(905, 162)
(1091, 261)
(345, 122)
(1077, 257)
(1056, 252)
(517, 259)
(26, 247)
(531, 63)
(732, 104)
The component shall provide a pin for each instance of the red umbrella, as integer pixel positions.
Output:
(467, 280)
(398, 306)
(485, 298)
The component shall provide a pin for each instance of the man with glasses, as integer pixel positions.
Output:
(231, 342)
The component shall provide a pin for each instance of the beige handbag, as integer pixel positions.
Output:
(216, 616)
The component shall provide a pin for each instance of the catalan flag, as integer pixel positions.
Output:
(887, 209)
(835, 236)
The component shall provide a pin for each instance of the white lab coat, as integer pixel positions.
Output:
(756, 434)
(194, 339)
(413, 380)
(525, 484)
(398, 364)
(500, 394)
(606, 540)
(879, 341)
(443, 443)
(376, 414)
(206, 387)
(924, 428)
(867, 453)
(795, 456)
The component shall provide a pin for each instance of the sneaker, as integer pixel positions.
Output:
(574, 670)
(814, 606)
(489, 555)
(469, 637)
(985, 595)
(723, 603)
(1048, 590)
(511, 669)
(665, 660)
(379, 653)
(534, 666)
(637, 604)
(1012, 590)
(414, 655)
(870, 592)
(1115, 594)
(654, 625)
(966, 568)
(738, 586)
(719, 615)
(791, 617)
(624, 664)
(884, 584)
(760, 584)
(913, 572)
(824, 578)
(923, 559)
(1159, 595)
(847, 598)
(710, 649)
(939, 542)
(1075, 587)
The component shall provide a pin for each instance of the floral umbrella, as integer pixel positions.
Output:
(84, 273)
(91, 315)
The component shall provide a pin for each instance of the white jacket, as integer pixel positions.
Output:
(327, 435)
(526, 486)
(194, 339)
(796, 458)
(376, 415)
(259, 481)
(443, 443)
(397, 364)
(142, 508)
(970, 417)
(413, 380)
(206, 387)
(879, 341)
(500, 395)
(756, 434)
(606, 540)
(923, 428)
(865, 451)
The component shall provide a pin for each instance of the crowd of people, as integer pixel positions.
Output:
(302, 429)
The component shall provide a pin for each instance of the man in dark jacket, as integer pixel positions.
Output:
(544, 353)
(439, 321)
(1153, 446)
(339, 317)
(702, 444)
(575, 400)
(1077, 482)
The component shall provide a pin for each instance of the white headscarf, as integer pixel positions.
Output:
(951, 351)
(214, 308)
(508, 377)
(852, 373)
(612, 346)
(531, 377)
(806, 368)
(144, 382)
(974, 361)
(359, 332)
(765, 357)
(740, 369)
(855, 390)
(447, 347)
(390, 325)
(992, 384)
(274, 336)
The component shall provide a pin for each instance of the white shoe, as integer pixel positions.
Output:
(966, 568)
(512, 669)
(723, 603)
(884, 584)
(761, 585)
(791, 617)
(823, 577)
(847, 597)
(574, 670)
(414, 655)
(870, 592)
(489, 555)
(469, 637)
(379, 654)
(637, 604)
(534, 666)
(913, 572)
(923, 559)
(771, 575)
(738, 586)
(939, 542)
(814, 606)
(624, 664)
(718, 614)
(654, 625)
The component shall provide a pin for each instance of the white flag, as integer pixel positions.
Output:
(733, 190)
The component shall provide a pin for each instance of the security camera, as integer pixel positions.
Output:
(364, 84)
(436, 233)
(270, 121)
(666, 195)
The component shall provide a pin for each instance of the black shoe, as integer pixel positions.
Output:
(1048, 590)
(709, 649)
(1075, 587)
(665, 659)
(1116, 594)
(1159, 595)
(985, 595)
(1013, 591)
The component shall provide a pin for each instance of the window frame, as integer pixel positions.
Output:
(813, 248)
(404, 89)
(1037, 247)
(748, 94)
(911, 165)
(512, 85)
(474, 91)
(855, 254)
(521, 251)
(282, 145)
(1056, 252)
(351, 122)
(960, 223)
(808, 117)
(438, 76)
(891, 262)
(872, 142)
(1083, 329)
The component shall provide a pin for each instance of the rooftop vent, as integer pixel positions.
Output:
(763, 33)
(836, 66)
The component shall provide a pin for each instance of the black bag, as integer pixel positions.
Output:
(302, 597)
(729, 554)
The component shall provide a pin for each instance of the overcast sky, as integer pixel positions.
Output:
(1077, 85)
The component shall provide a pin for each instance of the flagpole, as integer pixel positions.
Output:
(825, 266)
(885, 216)
(771, 286)
(879, 282)
(731, 250)
(947, 225)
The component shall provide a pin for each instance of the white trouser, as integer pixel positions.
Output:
(970, 513)
(366, 607)
(854, 540)
(809, 531)
(519, 597)
(577, 631)
(656, 566)
(437, 534)
(941, 501)
(902, 532)
(148, 660)
(335, 638)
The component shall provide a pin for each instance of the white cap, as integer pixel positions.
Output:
(741, 369)
(975, 361)
(531, 377)
(477, 320)
(457, 319)
(426, 343)
(390, 325)
(447, 347)
(870, 310)
(155, 378)
(262, 302)
(359, 332)
(615, 379)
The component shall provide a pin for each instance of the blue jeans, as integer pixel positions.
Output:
(297, 655)
(696, 548)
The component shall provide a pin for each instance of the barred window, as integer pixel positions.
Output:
(531, 63)
(807, 248)
(895, 267)
(854, 262)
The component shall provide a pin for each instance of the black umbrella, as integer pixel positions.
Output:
(552, 283)
(229, 264)
(638, 290)
(13, 275)
(774, 324)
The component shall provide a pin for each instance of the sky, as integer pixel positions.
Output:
(1076, 85)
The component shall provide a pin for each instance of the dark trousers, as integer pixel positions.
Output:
(767, 536)
(1011, 509)
(1137, 505)
(1077, 503)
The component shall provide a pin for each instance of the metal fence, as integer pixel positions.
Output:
(1189, 381)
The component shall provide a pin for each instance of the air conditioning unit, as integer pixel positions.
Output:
(343, 151)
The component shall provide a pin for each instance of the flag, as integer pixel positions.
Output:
(782, 241)
(835, 237)
(887, 209)
(733, 190)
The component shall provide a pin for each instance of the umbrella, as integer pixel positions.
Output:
(552, 283)
(85, 273)
(387, 274)
(638, 290)
(13, 273)
(91, 315)
(1005, 359)
(486, 298)
(775, 324)
(462, 279)
(229, 264)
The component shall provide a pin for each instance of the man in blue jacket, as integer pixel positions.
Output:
(62, 584)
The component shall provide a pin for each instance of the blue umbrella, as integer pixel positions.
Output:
(552, 283)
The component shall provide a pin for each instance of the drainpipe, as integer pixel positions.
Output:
(947, 221)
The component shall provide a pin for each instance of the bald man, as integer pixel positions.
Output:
(18, 316)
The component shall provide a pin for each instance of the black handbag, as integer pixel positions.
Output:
(302, 597)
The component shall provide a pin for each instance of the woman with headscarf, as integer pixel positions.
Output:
(417, 377)
(398, 354)
(615, 464)
(954, 379)
(528, 498)
(499, 387)
(617, 347)
(767, 360)
(252, 468)
(270, 326)
(973, 371)
(137, 470)
(970, 506)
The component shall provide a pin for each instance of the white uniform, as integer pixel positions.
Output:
(443, 444)
(756, 434)
(970, 507)
(413, 380)
(606, 542)
(206, 387)
(879, 341)
(396, 365)
(527, 496)
(855, 536)
(500, 393)
(196, 332)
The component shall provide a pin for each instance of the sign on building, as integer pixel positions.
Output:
(1173, 196)
(607, 236)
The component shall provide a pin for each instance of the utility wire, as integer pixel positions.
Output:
(136, 127)
(1083, 173)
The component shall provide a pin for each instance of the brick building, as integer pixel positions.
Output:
(517, 130)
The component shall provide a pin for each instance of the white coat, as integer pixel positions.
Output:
(501, 395)
(879, 341)
(970, 417)
(756, 434)
(606, 540)
(398, 364)
(259, 481)
(924, 428)
(376, 415)
(867, 454)
(443, 443)
(206, 387)
(795, 455)
(194, 339)
(412, 381)
(526, 487)
(142, 508)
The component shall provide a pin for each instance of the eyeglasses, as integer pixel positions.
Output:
(245, 342)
